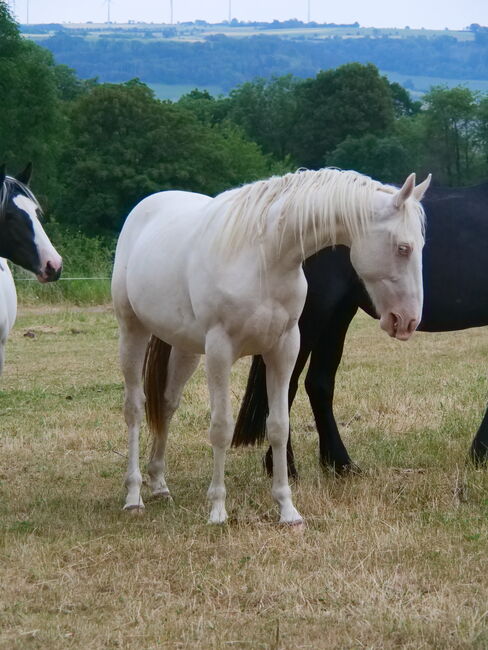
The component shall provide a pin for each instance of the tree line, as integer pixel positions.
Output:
(227, 61)
(98, 148)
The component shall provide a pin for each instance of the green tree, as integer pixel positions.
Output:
(482, 131)
(125, 144)
(450, 132)
(266, 110)
(351, 100)
(403, 104)
(384, 158)
(32, 124)
(204, 106)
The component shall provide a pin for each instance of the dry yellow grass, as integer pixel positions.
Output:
(394, 558)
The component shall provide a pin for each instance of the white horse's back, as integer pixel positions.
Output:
(8, 306)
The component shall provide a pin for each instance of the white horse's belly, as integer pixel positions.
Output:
(177, 330)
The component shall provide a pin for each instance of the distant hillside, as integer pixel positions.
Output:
(193, 56)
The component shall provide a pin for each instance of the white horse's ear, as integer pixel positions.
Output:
(422, 188)
(405, 192)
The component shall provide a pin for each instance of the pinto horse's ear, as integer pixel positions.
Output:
(25, 176)
(2, 173)
(405, 192)
(422, 188)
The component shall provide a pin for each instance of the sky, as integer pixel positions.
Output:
(431, 14)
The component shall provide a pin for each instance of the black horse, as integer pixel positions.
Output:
(455, 272)
(22, 238)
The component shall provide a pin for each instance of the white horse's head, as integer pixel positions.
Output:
(388, 258)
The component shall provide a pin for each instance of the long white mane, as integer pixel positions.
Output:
(317, 200)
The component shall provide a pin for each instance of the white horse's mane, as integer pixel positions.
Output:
(305, 199)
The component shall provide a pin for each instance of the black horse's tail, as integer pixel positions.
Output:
(250, 426)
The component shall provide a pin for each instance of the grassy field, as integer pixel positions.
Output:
(393, 558)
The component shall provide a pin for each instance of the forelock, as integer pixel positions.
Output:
(12, 189)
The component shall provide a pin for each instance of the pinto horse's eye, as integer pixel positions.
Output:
(404, 249)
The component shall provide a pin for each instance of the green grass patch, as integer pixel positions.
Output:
(85, 280)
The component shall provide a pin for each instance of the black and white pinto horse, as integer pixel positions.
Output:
(455, 276)
(22, 241)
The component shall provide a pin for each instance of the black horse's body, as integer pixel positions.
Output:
(455, 272)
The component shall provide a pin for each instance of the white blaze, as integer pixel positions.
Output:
(47, 252)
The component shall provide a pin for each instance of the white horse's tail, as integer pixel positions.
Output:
(154, 374)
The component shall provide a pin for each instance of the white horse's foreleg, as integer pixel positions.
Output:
(219, 360)
(280, 362)
(133, 342)
(181, 366)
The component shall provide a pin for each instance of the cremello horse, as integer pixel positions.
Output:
(24, 242)
(223, 277)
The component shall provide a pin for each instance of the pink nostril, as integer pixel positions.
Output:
(52, 271)
(412, 326)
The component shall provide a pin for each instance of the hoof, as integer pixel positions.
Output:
(163, 495)
(350, 469)
(134, 511)
(218, 517)
(346, 468)
(295, 527)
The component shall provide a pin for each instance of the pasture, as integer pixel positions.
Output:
(393, 558)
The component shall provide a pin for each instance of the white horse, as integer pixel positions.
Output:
(223, 277)
(24, 242)
(8, 307)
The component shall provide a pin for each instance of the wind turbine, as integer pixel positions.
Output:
(230, 10)
(108, 2)
(171, 10)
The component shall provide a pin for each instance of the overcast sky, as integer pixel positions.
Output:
(438, 14)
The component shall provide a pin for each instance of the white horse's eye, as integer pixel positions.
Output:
(404, 249)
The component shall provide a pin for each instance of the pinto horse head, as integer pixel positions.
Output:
(22, 237)
(388, 258)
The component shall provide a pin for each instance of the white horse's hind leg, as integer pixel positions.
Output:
(133, 342)
(2, 355)
(181, 366)
(219, 360)
(279, 367)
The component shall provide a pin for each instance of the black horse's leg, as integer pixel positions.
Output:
(320, 383)
(479, 447)
(290, 458)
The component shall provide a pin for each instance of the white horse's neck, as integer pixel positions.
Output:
(296, 236)
(293, 216)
